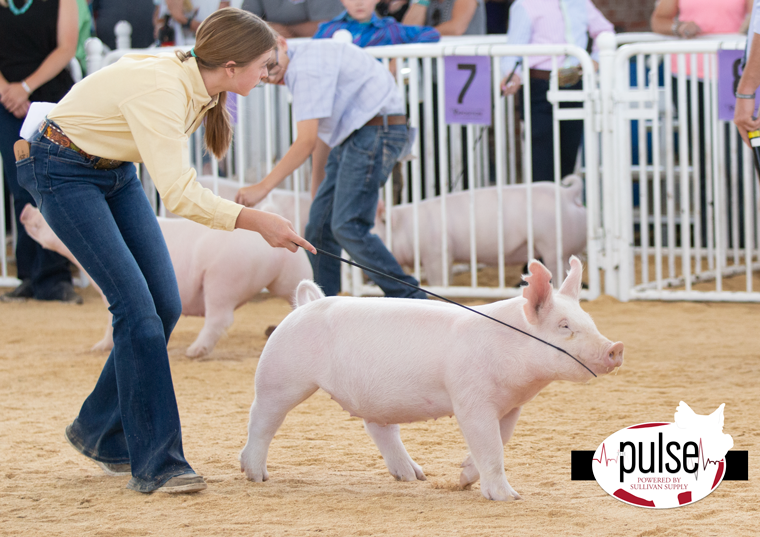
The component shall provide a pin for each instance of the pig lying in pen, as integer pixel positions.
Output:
(391, 361)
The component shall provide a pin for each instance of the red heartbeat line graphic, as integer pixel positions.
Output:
(708, 461)
(603, 456)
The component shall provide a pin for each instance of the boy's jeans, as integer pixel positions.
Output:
(343, 211)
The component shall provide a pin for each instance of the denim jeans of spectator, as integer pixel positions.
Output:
(104, 218)
(343, 211)
(45, 268)
(542, 134)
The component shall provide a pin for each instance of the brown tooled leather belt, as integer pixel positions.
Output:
(377, 121)
(54, 134)
(566, 77)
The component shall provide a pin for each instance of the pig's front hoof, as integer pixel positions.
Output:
(409, 471)
(503, 492)
(102, 346)
(256, 474)
(253, 470)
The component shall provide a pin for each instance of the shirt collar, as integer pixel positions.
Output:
(200, 94)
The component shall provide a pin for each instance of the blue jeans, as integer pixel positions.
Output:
(570, 133)
(45, 268)
(104, 218)
(343, 211)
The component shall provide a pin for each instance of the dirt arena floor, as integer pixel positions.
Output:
(326, 475)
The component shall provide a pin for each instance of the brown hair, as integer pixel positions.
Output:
(227, 35)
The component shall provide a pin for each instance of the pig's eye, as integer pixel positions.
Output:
(564, 324)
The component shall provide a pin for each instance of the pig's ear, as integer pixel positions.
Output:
(538, 292)
(572, 285)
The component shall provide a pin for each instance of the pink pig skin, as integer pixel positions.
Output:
(279, 201)
(486, 241)
(217, 271)
(392, 361)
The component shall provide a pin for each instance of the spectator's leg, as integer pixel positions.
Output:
(571, 136)
(46, 270)
(541, 135)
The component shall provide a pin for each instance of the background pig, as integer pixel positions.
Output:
(486, 239)
(279, 201)
(217, 271)
(392, 361)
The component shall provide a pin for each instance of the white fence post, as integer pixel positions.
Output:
(123, 32)
(610, 259)
(94, 48)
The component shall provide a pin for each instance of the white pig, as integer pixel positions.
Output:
(486, 240)
(391, 361)
(217, 271)
(279, 201)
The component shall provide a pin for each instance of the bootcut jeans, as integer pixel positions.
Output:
(104, 218)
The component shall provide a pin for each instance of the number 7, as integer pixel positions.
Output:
(466, 67)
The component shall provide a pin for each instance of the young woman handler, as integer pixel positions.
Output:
(141, 109)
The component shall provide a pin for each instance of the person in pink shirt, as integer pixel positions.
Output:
(692, 18)
(551, 22)
(688, 19)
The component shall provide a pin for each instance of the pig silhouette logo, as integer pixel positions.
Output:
(664, 465)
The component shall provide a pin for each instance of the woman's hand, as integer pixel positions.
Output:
(744, 118)
(276, 230)
(251, 195)
(688, 29)
(513, 86)
(15, 99)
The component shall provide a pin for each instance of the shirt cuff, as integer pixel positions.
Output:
(226, 215)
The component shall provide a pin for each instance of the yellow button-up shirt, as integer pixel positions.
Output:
(142, 109)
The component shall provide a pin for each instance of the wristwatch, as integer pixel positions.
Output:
(676, 24)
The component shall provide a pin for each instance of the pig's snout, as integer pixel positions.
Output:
(614, 355)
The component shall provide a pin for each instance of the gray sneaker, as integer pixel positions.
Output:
(184, 483)
(20, 293)
(115, 469)
(110, 468)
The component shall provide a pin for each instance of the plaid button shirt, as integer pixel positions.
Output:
(378, 32)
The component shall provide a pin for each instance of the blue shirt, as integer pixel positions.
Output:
(341, 85)
(377, 31)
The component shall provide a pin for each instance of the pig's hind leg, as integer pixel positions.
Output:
(270, 406)
(388, 441)
(105, 344)
(219, 312)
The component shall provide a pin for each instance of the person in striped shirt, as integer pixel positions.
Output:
(369, 30)
(551, 22)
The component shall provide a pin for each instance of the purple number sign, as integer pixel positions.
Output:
(468, 89)
(729, 72)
